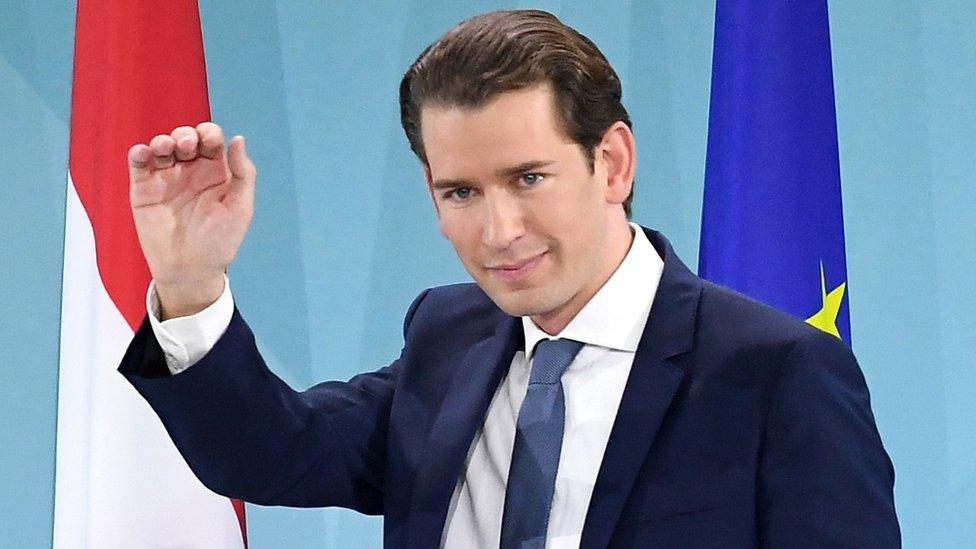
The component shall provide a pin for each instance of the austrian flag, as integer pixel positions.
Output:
(138, 71)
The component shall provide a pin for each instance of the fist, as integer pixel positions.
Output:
(192, 201)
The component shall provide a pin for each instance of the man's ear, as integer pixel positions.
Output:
(618, 153)
(430, 188)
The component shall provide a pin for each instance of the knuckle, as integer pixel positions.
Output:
(159, 140)
(211, 140)
(208, 129)
(134, 154)
(163, 146)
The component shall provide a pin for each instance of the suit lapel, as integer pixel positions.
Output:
(461, 414)
(650, 388)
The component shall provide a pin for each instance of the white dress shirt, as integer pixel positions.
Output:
(186, 339)
(610, 326)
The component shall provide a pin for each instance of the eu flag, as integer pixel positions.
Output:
(772, 222)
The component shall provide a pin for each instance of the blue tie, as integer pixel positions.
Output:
(538, 439)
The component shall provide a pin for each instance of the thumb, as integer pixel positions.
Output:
(242, 171)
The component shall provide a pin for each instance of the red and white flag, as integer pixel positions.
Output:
(138, 71)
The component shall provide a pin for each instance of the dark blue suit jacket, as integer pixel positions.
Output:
(739, 426)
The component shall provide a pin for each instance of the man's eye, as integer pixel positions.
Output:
(531, 179)
(461, 193)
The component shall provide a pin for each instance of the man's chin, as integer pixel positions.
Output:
(520, 303)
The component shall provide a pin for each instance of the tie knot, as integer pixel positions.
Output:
(552, 357)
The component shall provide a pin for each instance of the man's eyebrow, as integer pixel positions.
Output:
(450, 183)
(504, 173)
(524, 167)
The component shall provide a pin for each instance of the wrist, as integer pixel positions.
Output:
(186, 298)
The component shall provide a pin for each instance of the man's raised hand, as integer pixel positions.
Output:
(192, 202)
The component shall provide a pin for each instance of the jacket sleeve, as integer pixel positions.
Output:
(825, 479)
(246, 434)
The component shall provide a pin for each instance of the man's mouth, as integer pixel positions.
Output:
(514, 271)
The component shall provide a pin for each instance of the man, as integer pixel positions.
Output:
(588, 391)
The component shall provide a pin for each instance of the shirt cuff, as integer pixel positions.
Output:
(186, 339)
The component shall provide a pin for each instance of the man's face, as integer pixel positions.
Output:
(517, 198)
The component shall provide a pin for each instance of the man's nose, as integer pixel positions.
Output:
(504, 223)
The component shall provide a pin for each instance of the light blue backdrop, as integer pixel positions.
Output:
(344, 237)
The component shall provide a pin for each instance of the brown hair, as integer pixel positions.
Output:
(502, 51)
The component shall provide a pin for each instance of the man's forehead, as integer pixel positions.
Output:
(514, 128)
(514, 106)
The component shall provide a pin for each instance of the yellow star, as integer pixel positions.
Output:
(826, 317)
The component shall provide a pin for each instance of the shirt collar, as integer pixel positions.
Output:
(615, 317)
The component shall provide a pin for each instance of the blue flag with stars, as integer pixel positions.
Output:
(772, 221)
